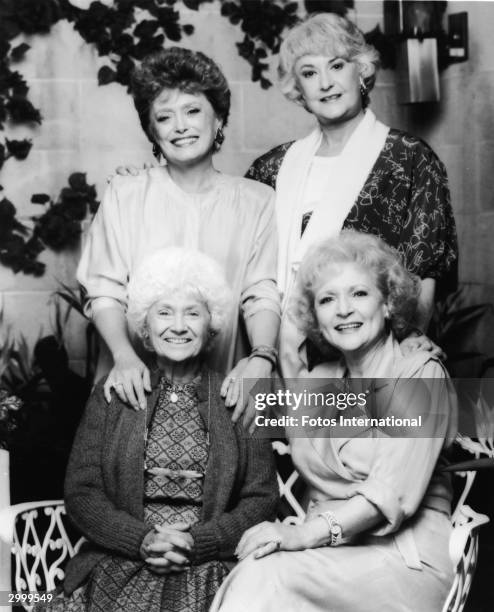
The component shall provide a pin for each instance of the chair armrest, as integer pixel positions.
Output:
(9, 514)
(467, 522)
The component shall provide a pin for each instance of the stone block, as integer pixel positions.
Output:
(478, 105)
(108, 119)
(485, 248)
(385, 106)
(467, 229)
(31, 315)
(60, 54)
(215, 36)
(485, 164)
(270, 119)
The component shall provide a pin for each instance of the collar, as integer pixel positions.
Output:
(204, 388)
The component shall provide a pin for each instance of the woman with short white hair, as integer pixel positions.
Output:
(163, 495)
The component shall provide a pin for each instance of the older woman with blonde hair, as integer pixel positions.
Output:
(376, 531)
(351, 171)
(163, 495)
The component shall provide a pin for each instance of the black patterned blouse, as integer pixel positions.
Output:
(405, 200)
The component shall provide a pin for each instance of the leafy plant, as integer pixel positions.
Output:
(463, 329)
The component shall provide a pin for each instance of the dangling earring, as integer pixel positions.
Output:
(156, 151)
(218, 139)
(363, 88)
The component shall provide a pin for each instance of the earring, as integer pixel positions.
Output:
(364, 92)
(218, 139)
(156, 151)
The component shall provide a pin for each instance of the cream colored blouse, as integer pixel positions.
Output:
(233, 222)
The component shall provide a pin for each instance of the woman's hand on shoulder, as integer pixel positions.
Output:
(130, 170)
(266, 538)
(237, 386)
(130, 378)
(167, 548)
(417, 341)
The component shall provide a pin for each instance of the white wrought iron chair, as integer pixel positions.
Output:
(463, 544)
(41, 541)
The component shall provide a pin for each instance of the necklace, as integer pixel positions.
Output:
(174, 397)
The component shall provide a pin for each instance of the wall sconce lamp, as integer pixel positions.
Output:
(422, 46)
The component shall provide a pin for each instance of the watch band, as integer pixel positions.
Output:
(335, 531)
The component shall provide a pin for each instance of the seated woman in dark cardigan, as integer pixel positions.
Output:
(163, 495)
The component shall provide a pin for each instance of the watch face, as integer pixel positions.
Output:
(336, 530)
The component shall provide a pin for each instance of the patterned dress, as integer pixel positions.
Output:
(175, 464)
(405, 200)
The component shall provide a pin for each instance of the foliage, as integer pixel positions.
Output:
(41, 402)
(463, 329)
(127, 31)
(123, 32)
(57, 228)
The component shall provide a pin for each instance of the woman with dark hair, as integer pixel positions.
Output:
(163, 495)
(352, 171)
(183, 102)
(376, 532)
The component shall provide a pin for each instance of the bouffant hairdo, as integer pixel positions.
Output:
(173, 270)
(399, 288)
(176, 68)
(330, 35)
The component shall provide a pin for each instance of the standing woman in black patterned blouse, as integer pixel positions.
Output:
(352, 171)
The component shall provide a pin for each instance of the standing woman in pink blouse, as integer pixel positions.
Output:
(183, 102)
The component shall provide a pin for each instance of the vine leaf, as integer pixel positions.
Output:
(22, 111)
(18, 52)
(40, 198)
(146, 28)
(19, 148)
(106, 75)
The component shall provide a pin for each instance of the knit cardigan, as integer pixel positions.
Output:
(104, 486)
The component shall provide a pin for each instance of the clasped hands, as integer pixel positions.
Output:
(167, 548)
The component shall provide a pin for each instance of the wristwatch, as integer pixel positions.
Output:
(335, 531)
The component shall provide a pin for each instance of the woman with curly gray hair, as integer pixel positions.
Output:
(376, 531)
(163, 495)
(183, 101)
(351, 171)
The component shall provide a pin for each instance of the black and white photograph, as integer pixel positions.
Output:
(246, 305)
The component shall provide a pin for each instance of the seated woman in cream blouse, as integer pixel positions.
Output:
(376, 532)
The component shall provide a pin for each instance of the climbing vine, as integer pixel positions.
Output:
(123, 32)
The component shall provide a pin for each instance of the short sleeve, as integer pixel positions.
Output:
(428, 239)
(265, 168)
(406, 201)
(103, 269)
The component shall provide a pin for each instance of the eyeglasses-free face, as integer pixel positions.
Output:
(350, 309)
(184, 126)
(330, 87)
(178, 327)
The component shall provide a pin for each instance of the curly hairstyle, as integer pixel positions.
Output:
(399, 288)
(330, 35)
(176, 68)
(172, 270)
